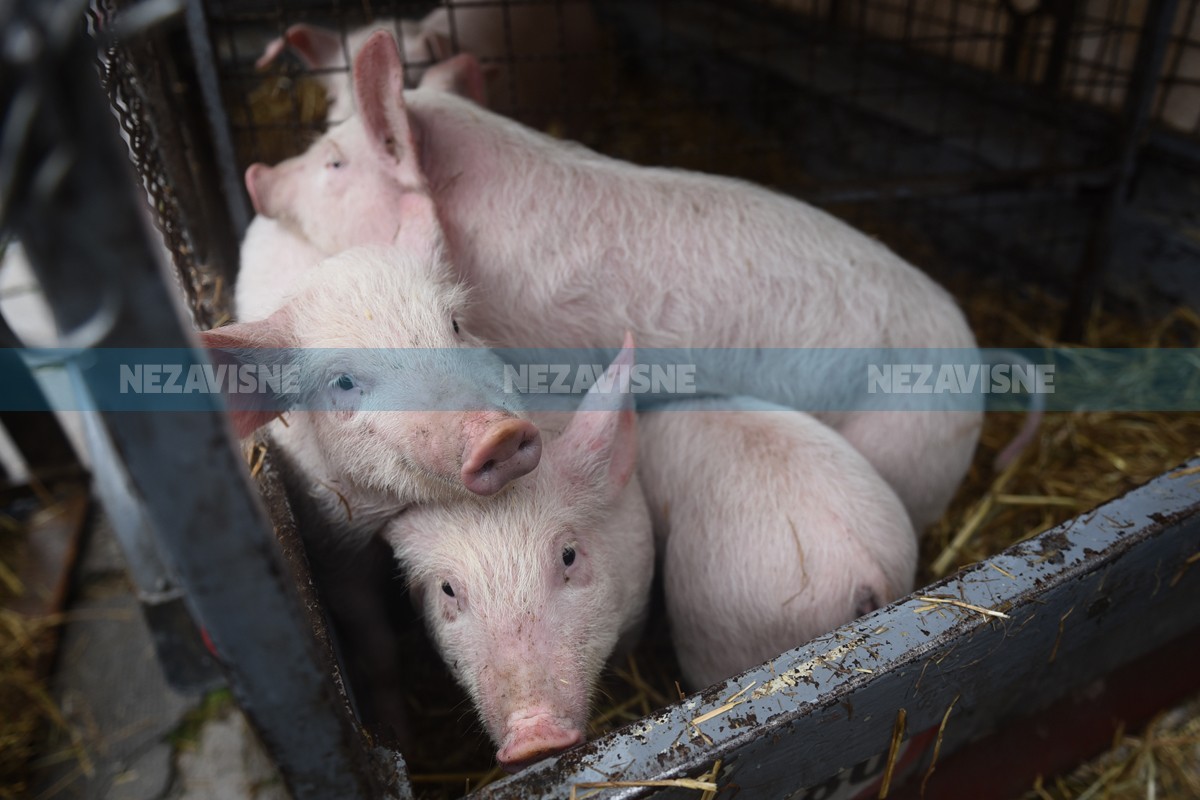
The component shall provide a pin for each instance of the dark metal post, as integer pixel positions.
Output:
(206, 73)
(1063, 13)
(1143, 82)
(68, 192)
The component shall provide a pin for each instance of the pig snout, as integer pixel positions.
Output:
(502, 452)
(530, 737)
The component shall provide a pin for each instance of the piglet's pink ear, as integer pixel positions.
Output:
(601, 440)
(261, 343)
(461, 75)
(379, 93)
(272, 51)
(317, 47)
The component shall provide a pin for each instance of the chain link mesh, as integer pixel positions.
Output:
(120, 81)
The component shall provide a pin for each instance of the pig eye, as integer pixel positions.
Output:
(454, 322)
(568, 556)
(447, 588)
(345, 383)
(336, 163)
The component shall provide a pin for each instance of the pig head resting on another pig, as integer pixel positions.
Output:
(397, 402)
(568, 248)
(528, 593)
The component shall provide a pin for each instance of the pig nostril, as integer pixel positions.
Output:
(505, 452)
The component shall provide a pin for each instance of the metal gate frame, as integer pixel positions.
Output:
(70, 195)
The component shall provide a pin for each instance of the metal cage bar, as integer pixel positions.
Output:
(68, 193)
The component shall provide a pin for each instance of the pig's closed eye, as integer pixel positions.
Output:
(447, 588)
(336, 163)
(345, 383)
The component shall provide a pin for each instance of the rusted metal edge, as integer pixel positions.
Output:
(386, 768)
(157, 98)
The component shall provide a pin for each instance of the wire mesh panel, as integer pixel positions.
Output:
(152, 91)
(535, 53)
(884, 111)
(120, 81)
(1178, 100)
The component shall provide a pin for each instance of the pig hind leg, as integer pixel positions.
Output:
(754, 590)
(785, 536)
(922, 455)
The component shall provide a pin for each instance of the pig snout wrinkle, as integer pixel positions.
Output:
(532, 738)
(505, 452)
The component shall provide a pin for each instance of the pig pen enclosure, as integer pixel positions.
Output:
(1041, 158)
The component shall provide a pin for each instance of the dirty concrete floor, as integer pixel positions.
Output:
(130, 735)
